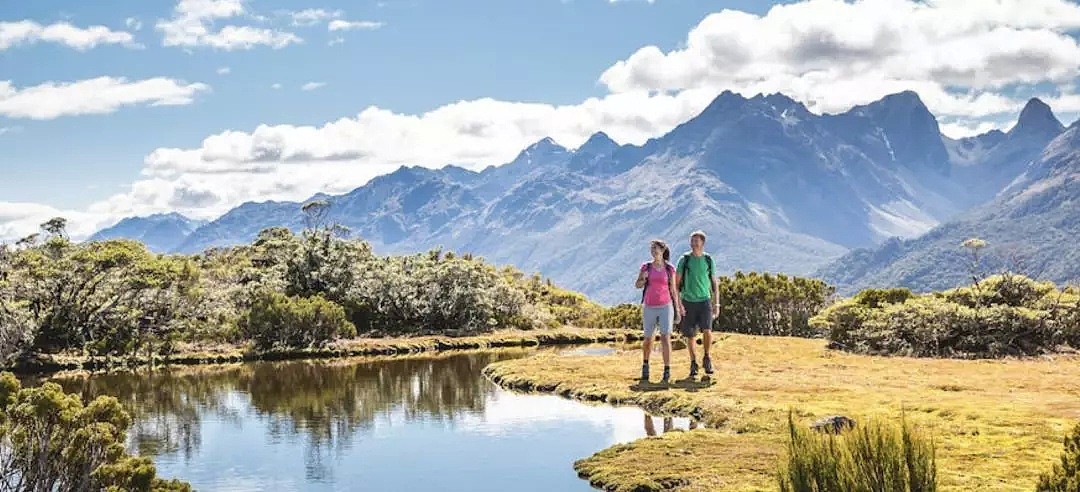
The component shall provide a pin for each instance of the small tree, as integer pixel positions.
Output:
(315, 213)
(974, 245)
(1064, 476)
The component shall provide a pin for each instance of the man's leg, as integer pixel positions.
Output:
(693, 317)
(706, 360)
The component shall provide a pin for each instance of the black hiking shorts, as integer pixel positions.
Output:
(698, 317)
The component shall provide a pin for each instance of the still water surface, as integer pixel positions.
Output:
(410, 423)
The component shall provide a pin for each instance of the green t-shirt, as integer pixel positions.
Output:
(695, 284)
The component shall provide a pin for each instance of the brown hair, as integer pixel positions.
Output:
(699, 233)
(662, 245)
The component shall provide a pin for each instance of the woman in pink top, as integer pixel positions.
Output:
(661, 305)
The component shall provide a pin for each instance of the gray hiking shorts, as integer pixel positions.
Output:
(662, 316)
(698, 317)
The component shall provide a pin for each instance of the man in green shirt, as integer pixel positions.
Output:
(696, 280)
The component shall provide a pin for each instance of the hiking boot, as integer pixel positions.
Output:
(693, 369)
(666, 378)
(644, 372)
(706, 363)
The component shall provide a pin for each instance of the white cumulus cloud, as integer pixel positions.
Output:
(82, 39)
(193, 22)
(92, 96)
(833, 54)
(973, 63)
(310, 86)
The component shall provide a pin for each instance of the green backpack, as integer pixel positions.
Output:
(686, 266)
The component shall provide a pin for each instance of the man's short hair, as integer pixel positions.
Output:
(699, 233)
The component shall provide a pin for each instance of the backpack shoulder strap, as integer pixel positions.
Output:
(708, 259)
(645, 288)
(684, 266)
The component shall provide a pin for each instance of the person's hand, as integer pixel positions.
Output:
(677, 318)
(682, 311)
(715, 311)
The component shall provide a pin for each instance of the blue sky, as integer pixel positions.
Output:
(413, 83)
(427, 53)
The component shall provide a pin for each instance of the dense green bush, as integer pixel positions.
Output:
(875, 298)
(563, 307)
(1001, 316)
(50, 441)
(1064, 476)
(623, 316)
(880, 456)
(276, 320)
(766, 304)
(111, 297)
(117, 298)
(429, 292)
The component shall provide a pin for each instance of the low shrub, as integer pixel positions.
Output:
(50, 441)
(767, 304)
(1002, 316)
(622, 316)
(279, 321)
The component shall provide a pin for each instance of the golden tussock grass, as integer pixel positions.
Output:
(997, 423)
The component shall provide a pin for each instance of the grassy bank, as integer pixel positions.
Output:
(223, 353)
(997, 423)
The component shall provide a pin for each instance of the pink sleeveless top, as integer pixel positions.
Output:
(657, 293)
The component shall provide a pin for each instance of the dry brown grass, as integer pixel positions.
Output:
(997, 423)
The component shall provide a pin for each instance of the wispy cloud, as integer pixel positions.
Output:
(82, 39)
(344, 25)
(310, 86)
(336, 41)
(275, 86)
(224, 71)
(93, 96)
(310, 17)
(133, 23)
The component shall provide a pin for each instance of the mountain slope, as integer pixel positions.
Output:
(776, 187)
(995, 159)
(1032, 226)
(160, 232)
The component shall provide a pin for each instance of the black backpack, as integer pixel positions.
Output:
(686, 266)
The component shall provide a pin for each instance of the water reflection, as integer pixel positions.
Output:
(390, 423)
(669, 424)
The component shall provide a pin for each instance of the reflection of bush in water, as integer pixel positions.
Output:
(165, 406)
(326, 402)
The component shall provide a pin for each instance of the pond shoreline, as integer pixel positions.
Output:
(974, 407)
(47, 364)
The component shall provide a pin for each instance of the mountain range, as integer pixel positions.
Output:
(159, 232)
(855, 197)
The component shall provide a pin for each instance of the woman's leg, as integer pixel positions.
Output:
(648, 319)
(665, 336)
